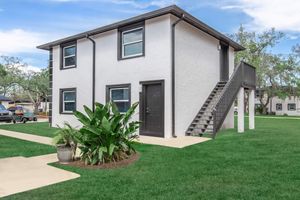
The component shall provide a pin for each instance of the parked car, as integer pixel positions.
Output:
(21, 114)
(5, 115)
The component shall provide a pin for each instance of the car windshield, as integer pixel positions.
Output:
(2, 107)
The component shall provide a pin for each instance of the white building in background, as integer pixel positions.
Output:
(173, 64)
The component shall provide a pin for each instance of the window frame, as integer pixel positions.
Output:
(277, 105)
(115, 87)
(288, 106)
(62, 101)
(63, 57)
(128, 29)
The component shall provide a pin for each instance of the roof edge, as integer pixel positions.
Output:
(173, 9)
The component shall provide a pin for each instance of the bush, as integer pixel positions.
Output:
(107, 135)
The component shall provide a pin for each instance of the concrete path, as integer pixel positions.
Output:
(27, 137)
(20, 174)
(179, 142)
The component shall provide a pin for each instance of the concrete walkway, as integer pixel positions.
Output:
(27, 137)
(20, 174)
(178, 142)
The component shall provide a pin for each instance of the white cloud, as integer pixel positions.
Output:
(284, 15)
(29, 68)
(19, 41)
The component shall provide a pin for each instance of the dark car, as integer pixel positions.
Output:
(5, 115)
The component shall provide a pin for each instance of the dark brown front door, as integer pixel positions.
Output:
(224, 63)
(152, 108)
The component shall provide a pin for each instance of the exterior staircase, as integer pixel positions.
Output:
(203, 122)
(212, 114)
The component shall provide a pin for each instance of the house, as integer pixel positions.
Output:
(4, 101)
(287, 106)
(176, 66)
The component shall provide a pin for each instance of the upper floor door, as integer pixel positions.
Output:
(224, 63)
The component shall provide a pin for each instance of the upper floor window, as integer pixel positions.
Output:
(68, 55)
(132, 42)
(278, 106)
(120, 95)
(67, 100)
(292, 107)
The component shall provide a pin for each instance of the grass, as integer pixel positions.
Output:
(10, 147)
(260, 164)
(39, 128)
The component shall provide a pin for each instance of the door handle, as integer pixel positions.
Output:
(147, 110)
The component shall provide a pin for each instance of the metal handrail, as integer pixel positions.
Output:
(243, 76)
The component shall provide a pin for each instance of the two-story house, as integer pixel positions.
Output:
(179, 69)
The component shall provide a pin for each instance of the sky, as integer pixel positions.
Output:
(24, 24)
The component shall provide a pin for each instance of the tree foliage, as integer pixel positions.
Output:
(277, 75)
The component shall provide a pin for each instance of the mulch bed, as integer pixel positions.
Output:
(111, 165)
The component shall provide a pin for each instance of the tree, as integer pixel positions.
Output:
(36, 86)
(10, 73)
(276, 74)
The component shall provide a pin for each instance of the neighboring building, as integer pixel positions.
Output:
(288, 106)
(173, 64)
(4, 101)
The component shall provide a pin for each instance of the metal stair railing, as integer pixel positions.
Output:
(243, 76)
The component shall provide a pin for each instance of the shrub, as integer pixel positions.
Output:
(66, 136)
(107, 135)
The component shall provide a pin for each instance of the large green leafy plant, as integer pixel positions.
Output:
(106, 135)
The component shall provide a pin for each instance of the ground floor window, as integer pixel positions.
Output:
(278, 106)
(292, 107)
(120, 95)
(67, 100)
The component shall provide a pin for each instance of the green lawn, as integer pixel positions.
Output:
(39, 128)
(10, 147)
(260, 164)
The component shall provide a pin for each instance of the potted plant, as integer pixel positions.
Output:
(66, 144)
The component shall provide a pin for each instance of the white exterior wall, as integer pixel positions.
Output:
(79, 77)
(285, 103)
(155, 65)
(197, 72)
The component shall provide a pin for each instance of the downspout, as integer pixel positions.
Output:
(94, 70)
(173, 74)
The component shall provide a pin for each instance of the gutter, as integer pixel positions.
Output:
(173, 74)
(94, 71)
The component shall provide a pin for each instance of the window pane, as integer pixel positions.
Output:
(133, 49)
(278, 106)
(70, 61)
(69, 96)
(133, 36)
(69, 51)
(119, 94)
(292, 106)
(123, 106)
(69, 106)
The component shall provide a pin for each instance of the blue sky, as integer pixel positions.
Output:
(25, 24)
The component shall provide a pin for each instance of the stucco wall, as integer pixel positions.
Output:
(197, 72)
(155, 65)
(285, 103)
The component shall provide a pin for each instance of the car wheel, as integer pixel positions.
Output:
(14, 121)
(35, 119)
(24, 120)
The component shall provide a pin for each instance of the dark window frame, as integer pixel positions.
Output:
(288, 106)
(61, 101)
(277, 104)
(62, 46)
(120, 39)
(115, 86)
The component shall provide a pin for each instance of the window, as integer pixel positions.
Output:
(120, 95)
(132, 42)
(292, 107)
(278, 106)
(68, 55)
(67, 101)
